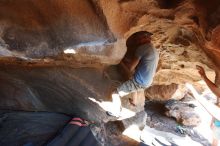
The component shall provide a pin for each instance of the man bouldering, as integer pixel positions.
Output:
(140, 66)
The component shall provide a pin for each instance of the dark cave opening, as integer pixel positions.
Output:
(168, 4)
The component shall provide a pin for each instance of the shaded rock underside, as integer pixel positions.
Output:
(56, 55)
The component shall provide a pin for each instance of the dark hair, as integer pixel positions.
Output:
(142, 33)
(132, 43)
(132, 40)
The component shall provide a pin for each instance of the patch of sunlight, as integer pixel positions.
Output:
(126, 113)
(93, 43)
(109, 106)
(122, 93)
(204, 128)
(186, 142)
(201, 82)
(69, 51)
(133, 132)
(105, 105)
(150, 136)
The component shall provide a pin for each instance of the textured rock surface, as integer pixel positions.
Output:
(50, 25)
(91, 33)
(172, 91)
(181, 30)
(47, 29)
(164, 126)
(55, 54)
(183, 113)
(139, 120)
(55, 89)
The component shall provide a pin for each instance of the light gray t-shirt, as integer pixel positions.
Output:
(147, 66)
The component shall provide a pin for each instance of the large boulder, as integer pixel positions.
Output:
(55, 89)
(39, 39)
(184, 113)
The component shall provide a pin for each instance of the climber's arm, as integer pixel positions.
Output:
(209, 83)
(129, 68)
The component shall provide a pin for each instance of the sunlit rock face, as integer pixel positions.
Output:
(40, 39)
(181, 31)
